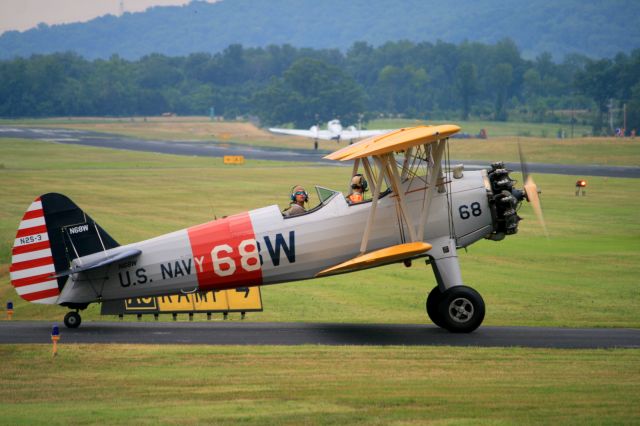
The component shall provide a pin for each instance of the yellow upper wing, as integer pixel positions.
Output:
(395, 141)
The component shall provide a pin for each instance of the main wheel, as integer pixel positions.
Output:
(461, 309)
(433, 300)
(72, 320)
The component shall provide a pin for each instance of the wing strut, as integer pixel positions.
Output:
(434, 174)
(370, 176)
(394, 176)
(382, 149)
(388, 167)
(372, 212)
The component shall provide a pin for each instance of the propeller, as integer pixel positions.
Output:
(531, 191)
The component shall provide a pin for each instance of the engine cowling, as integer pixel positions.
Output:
(504, 200)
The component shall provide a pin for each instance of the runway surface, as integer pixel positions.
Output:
(219, 149)
(199, 149)
(248, 333)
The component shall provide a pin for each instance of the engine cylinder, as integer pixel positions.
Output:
(504, 200)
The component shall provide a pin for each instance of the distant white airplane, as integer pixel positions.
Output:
(334, 132)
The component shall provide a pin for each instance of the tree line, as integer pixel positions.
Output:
(303, 86)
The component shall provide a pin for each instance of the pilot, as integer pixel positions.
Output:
(298, 197)
(358, 187)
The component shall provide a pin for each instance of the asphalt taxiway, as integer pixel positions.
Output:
(250, 333)
(220, 149)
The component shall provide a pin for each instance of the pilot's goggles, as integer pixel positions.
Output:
(299, 193)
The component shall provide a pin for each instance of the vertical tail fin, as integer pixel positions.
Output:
(52, 233)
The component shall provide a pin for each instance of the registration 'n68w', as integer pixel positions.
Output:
(226, 253)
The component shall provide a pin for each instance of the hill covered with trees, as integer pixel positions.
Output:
(594, 29)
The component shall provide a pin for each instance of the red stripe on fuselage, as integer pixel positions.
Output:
(223, 240)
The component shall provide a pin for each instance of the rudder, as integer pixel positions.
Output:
(52, 232)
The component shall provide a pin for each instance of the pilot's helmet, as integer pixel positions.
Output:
(358, 181)
(297, 190)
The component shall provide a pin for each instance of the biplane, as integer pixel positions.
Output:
(419, 207)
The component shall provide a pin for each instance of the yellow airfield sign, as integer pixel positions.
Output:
(214, 301)
(244, 299)
(233, 159)
(176, 303)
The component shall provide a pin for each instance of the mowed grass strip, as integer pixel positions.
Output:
(584, 275)
(128, 384)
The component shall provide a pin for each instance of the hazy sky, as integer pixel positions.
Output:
(24, 14)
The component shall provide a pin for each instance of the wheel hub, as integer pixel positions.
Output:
(461, 310)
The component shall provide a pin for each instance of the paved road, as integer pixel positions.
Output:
(217, 149)
(248, 333)
(200, 149)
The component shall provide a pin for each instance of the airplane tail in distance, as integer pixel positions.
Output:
(52, 232)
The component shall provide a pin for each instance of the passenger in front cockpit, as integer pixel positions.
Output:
(358, 187)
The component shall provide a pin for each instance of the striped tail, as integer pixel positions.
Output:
(52, 233)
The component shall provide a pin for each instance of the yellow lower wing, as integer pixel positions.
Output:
(377, 258)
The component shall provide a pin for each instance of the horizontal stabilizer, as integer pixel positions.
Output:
(116, 257)
(377, 258)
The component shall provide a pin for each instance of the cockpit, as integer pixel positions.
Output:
(326, 195)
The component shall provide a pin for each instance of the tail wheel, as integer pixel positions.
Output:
(72, 320)
(461, 309)
(433, 300)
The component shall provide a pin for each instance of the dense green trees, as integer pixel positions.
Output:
(310, 91)
(612, 84)
(283, 84)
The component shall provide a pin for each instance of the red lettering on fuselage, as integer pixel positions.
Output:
(225, 253)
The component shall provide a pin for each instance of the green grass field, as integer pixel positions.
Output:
(584, 275)
(590, 258)
(124, 384)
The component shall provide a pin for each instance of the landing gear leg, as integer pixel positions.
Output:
(452, 305)
(72, 320)
(315, 145)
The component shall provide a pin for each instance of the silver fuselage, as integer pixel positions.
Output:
(262, 247)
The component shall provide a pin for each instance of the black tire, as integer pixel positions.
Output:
(72, 320)
(461, 309)
(433, 300)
